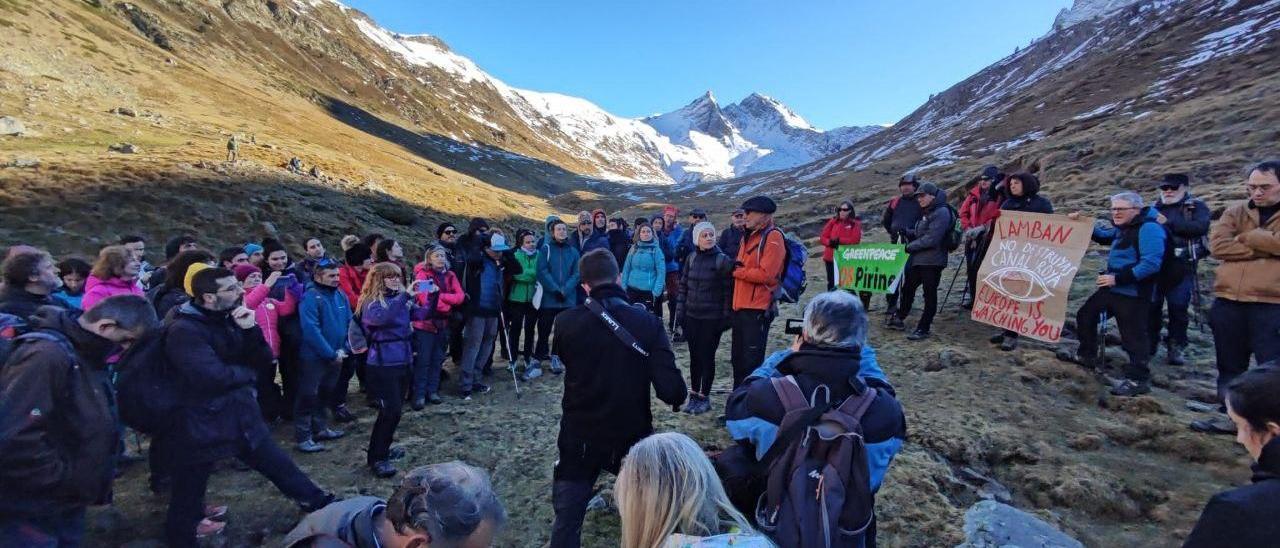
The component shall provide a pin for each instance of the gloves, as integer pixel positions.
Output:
(974, 233)
(834, 242)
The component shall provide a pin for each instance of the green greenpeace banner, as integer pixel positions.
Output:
(876, 268)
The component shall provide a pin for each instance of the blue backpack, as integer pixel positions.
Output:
(793, 281)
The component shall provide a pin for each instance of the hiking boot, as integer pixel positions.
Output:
(918, 335)
(1009, 344)
(418, 404)
(396, 453)
(208, 528)
(998, 338)
(1129, 388)
(212, 512)
(531, 373)
(328, 434)
(1173, 354)
(434, 399)
(342, 414)
(557, 367)
(691, 405)
(314, 505)
(704, 405)
(310, 446)
(383, 469)
(1220, 425)
(896, 324)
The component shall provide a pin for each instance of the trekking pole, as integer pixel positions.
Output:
(1102, 338)
(964, 265)
(511, 364)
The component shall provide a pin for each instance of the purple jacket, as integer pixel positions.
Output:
(388, 330)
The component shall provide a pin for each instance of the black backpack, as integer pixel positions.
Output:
(819, 483)
(955, 233)
(146, 391)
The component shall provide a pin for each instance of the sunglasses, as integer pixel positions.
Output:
(1170, 187)
(584, 223)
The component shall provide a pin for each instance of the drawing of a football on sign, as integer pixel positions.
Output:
(1026, 274)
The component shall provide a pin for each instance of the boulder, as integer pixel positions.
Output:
(125, 111)
(125, 148)
(990, 524)
(11, 126)
(25, 162)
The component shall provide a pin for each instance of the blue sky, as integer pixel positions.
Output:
(849, 62)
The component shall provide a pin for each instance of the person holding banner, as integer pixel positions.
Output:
(842, 229)
(1020, 192)
(928, 252)
(1126, 289)
(979, 208)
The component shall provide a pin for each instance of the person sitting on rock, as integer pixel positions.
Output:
(1244, 517)
(440, 505)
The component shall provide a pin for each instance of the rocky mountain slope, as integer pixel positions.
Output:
(1111, 97)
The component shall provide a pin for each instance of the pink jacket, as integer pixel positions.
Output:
(451, 295)
(96, 289)
(268, 312)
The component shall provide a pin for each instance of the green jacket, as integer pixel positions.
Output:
(522, 284)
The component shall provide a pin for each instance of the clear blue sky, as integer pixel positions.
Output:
(835, 62)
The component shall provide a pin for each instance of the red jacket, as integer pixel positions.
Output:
(846, 232)
(977, 209)
(351, 282)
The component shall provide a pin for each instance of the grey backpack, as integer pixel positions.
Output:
(819, 487)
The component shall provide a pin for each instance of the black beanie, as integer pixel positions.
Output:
(271, 245)
(443, 227)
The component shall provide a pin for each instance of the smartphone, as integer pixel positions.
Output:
(795, 326)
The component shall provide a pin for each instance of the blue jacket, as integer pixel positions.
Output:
(388, 330)
(558, 272)
(645, 268)
(754, 420)
(324, 314)
(673, 243)
(1137, 252)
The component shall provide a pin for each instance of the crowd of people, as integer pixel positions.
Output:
(255, 334)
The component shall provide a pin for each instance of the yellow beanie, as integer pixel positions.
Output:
(191, 275)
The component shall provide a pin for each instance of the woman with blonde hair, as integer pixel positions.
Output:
(386, 310)
(670, 497)
(114, 273)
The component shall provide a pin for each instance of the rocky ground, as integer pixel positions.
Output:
(1018, 427)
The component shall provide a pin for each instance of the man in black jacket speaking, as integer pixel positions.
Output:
(612, 352)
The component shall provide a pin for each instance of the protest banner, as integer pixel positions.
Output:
(875, 268)
(1026, 275)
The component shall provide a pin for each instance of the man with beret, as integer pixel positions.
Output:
(756, 274)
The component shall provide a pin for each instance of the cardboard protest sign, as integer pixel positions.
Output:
(1026, 274)
(876, 268)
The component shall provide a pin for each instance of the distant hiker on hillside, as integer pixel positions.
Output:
(233, 149)
(731, 236)
(1244, 517)
(1125, 289)
(703, 307)
(673, 234)
(215, 348)
(980, 208)
(927, 251)
(644, 271)
(843, 228)
(757, 272)
(1245, 316)
(900, 217)
(1020, 192)
(74, 272)
(615, 354)
(60, 431)
(1187, 221)
(446, 505)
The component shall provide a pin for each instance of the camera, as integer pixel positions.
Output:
(795, 326)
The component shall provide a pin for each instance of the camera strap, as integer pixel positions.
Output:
(613, 325)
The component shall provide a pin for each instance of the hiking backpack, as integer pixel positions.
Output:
(10, 328)
(792, 282)
(955, 233)
(146, 392)
(819, 484)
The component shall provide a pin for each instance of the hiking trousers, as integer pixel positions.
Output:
(917, 276)
(1130, 314)
(315, 385)
(703, 337)
(1241, 330)
(579, 464)
(746, 351)
(386, 387)
(477, 347)
(428, 359)
(522, 318)
(1178, 297)
(546, 319)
